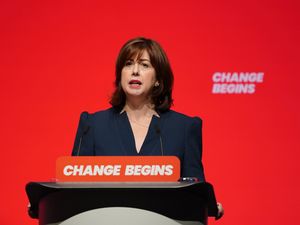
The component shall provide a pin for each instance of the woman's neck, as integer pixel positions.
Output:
(139, 111)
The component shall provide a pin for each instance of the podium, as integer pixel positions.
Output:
(181, 202)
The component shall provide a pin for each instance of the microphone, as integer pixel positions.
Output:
(158, 131)
(85, 129)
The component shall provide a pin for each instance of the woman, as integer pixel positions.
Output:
(140, 121)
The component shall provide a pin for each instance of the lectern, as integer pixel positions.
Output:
(183, 202)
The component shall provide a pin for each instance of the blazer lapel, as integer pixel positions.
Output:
(151, 144)
(125, 133)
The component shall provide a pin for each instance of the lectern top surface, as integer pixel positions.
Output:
(116, 184)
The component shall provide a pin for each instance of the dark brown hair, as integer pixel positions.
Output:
(161, 96)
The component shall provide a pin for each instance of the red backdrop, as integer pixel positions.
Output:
(57, 59)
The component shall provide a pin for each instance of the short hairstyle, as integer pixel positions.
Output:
(161, 96)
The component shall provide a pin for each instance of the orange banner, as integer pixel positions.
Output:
(118, 169)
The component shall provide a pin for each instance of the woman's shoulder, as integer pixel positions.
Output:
(98, 115)
(104, 112)
(178, 116)
(181, 122)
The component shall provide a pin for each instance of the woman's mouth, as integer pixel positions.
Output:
(135, 83)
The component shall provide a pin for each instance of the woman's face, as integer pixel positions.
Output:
(138, 77)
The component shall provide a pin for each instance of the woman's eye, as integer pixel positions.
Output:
(145, 65)
(128, 63)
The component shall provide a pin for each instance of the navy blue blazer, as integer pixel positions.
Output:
(108, 133)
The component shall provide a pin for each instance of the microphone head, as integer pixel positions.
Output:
(157, 129)
(85, 129)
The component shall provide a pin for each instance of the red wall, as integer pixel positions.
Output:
(57, 59)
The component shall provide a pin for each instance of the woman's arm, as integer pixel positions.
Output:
(192, 160)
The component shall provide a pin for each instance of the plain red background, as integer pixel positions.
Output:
(57, 60)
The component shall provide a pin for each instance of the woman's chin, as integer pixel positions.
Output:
(136, 94)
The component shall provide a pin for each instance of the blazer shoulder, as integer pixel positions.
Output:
(183, 117)
(102, 114)
(91, 118)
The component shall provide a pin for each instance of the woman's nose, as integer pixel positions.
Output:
(135, 69)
